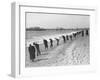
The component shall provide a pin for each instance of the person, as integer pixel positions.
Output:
(57, 41)
(32, 52)
(45, 43)
(51, 43)
(37, 48)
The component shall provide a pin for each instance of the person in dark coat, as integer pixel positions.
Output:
(64, 38)
(51, 42)
(38, 49)
(45, 44)
(57, 41)
(32, 51)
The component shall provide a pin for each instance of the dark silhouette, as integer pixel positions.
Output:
(74, 35)
(37, 48)
(67, 37)
(45, 44)
(70, 37)
(79, 32)
(57, 41)
(87, 32)
(82, 33)
(64, 38)
(51, 42)
(31, 52)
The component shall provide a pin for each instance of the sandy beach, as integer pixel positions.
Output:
(73, 52)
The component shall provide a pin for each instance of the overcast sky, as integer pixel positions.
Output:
(56, 20)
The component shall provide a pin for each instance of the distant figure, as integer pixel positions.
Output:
(57, 41)
(70, 37)
(38, 49)
(45, 44)
(32, 52)
(64, 38)
(87, 33)
(67, 37)
(51, 42)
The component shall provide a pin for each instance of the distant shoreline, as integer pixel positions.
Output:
(44, 29)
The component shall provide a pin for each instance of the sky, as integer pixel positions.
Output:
(51, 21)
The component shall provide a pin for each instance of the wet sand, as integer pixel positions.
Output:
(73, 52)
